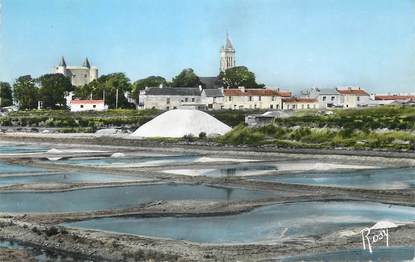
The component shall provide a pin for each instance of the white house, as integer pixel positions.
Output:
(213, 98)
(87, 105)
(167, 98)
(353, 97)
(327, 97)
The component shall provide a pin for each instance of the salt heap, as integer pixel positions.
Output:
(181, 122)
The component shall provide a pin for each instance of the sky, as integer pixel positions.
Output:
(290, 44)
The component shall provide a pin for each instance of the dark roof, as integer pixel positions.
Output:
(62, 62)
(86, 63)
(213, 92)
(328, 91)
(173, 91)
(210, 82)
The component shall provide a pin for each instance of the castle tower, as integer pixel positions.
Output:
(227, 55)
(61, 68)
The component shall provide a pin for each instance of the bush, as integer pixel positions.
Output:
(202, 135)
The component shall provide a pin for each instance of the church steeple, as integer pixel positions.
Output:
(227, 55)
(62, 62)
(86, 63)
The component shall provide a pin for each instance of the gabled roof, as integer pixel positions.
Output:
(394, 97)
(173, 91)
(350, 91)
(62, 62)
(77, 101)
(255, 92)
(213, 92)
(299, 100)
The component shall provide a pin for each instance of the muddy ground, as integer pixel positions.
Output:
(44, 230)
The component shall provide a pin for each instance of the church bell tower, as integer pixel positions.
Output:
(227, 55)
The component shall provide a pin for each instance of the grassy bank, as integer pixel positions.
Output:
(388, 127)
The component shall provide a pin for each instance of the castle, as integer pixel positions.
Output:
(227, 55)
(79, 75)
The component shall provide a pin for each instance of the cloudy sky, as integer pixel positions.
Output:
(290, 44)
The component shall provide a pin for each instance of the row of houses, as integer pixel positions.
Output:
(166, 98)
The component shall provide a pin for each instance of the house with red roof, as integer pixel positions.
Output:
(352, 97)
(255, 98)
(87, 105)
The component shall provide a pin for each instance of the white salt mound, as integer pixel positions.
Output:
(118, 155)
(181, 122)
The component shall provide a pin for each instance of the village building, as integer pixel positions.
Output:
(352, 97)
(295, 103)
(79, 75)
(388, 99)
(87, 105)
(327, 97)
(167, 98)
(258, 98)
(213, 98)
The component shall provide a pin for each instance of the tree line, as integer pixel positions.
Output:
(51, 89)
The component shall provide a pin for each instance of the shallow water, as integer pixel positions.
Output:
(131, 162)
(65, 178)
(379, 254)
(14, 168)
(398, 178)
(117, 197)
(276, 222)
(243, 169)
(19, 148)
(40, 254)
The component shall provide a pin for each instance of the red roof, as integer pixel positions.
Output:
(350, 91)
(255, 92)
(299, 100)
(394, 97)
(77, 101)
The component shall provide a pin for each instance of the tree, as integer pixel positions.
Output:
(107, 85)
(150, 81)
(25, 92)
(6, 95)
(186, 78)
(239, 76)
(52, 90)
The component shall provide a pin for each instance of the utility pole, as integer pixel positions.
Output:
(103, 95)
(116, 99)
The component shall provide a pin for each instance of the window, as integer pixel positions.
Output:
(82, 106)
(250, 98)
(210, 106)
(271, 106)
(259, 98)
(94, 106)
(332, 98)
(167, 107)
(255, 106)
(277, 106)
(230, 98)
(186, 99)
(168, 100)
(273, 98)
(324, 98)
(308, 106)
(302, 106)
(85, 76)
(358, 98)
(193, 99)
